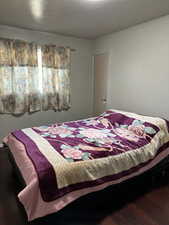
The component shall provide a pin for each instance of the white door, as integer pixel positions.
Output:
(100, 83)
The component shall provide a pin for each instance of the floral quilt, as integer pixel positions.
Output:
(85, 153)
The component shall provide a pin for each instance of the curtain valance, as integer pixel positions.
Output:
(56, 57)
(16, 52)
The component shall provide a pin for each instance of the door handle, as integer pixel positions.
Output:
(104, 100)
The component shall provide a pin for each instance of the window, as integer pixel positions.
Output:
(33, 77)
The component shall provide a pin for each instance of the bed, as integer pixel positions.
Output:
(61, 162)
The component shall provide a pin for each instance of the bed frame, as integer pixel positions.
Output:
(16, 171)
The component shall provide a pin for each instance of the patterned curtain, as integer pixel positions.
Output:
(18, 77)
(33, 78)
(55, 78)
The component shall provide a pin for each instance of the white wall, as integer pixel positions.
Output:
(81, 80)
(139, 68)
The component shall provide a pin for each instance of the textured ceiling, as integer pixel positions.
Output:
(80, 18)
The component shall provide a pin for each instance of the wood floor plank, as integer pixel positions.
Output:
(154, 209)
(131, 214)
(107, 221)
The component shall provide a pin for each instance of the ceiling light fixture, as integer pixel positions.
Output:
(37, 8)
(95, 0)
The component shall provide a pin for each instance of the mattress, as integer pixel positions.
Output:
(64, 161)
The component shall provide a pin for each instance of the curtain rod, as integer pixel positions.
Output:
(73, 50)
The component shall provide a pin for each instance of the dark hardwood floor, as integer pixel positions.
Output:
(133, 203)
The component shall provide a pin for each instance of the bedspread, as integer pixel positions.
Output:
(75, 156)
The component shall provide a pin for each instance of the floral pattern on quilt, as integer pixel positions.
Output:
(135, 131)
(109, 134)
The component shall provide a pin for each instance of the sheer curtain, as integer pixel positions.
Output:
(18, 77)
(55, 78)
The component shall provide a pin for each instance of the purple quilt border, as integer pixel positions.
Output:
(49, 190)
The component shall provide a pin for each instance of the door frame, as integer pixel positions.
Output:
(93, 74)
